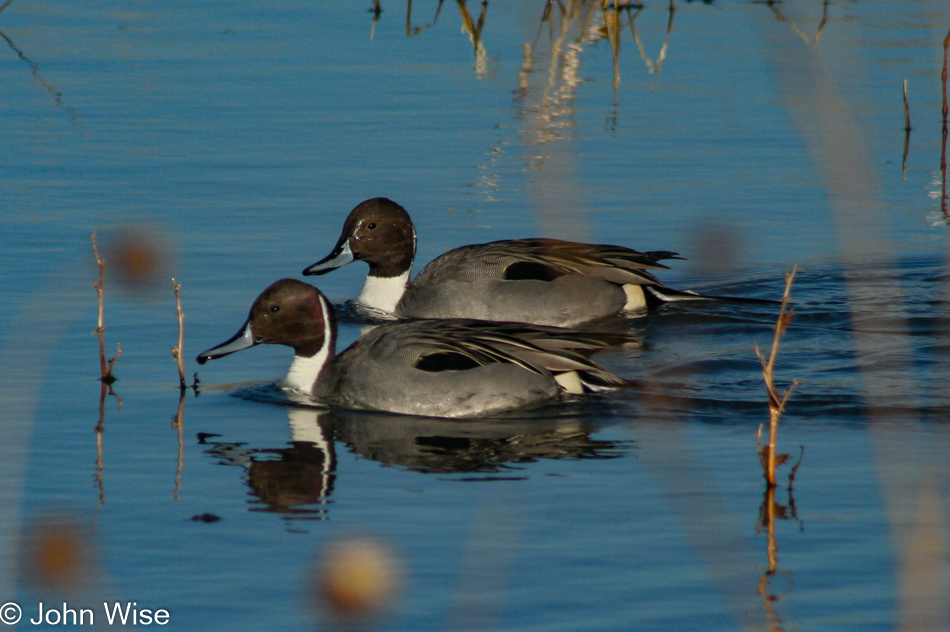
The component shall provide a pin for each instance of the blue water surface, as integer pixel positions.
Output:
(226, 142)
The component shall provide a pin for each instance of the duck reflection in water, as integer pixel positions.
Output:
(428, 444)
(297, 480)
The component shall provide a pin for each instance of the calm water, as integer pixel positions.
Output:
(232, 138)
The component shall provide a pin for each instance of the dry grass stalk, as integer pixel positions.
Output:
(767, 454)
(943, 75)
(907, 126)
(105, 366)
(5, 5)
(179, 352)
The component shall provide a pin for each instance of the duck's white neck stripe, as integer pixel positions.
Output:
(384, 293)
(305, 426)
(304, 372)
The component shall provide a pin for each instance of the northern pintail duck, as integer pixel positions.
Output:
(438, 368)
(542, 281)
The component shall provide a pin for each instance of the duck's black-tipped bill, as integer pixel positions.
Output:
(243, 339)
(340, 256)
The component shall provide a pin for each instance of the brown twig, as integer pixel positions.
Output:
(179, 352)
(105, 367)
(770, 460)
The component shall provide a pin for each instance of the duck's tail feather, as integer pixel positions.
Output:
(661, 294)
(599, 379)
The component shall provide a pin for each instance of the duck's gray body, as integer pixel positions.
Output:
(379, 373)
(540, 281)
(473, 282)
(439, 368)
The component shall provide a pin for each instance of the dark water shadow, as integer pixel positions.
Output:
(298, 479)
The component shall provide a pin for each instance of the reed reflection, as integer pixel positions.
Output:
(105, 390)
(178, 425)
(770, 512)
(780, 16)
(411, 30)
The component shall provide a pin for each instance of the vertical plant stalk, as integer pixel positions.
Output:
(105, 367)
(100, 428)
(907, 128)
(767, 454)
(179, 351)
(376, 11)
(612, 23)
(179, 425)
(767, 518)
(943, 151)
(474, 31)
(943, 75)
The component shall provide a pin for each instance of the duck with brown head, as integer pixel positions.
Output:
(542, 281)
(439, 368)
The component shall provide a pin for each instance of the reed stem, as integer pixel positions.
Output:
(105, 367)
(771, 460)
(178, 352)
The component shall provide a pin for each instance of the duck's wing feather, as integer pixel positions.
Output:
(546, 259)
(454, 345)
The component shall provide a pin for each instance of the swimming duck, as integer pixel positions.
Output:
(541, 281)
(437, 368)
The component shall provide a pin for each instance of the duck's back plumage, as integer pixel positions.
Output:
(544, 281)
(464, 367)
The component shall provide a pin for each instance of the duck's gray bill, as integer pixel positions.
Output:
(241, 340)
(340, 256)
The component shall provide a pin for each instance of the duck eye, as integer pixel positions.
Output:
(372, 225)
(275, 308)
